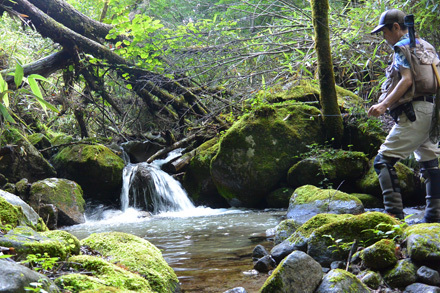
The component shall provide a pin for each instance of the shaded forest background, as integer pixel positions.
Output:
(178, 67)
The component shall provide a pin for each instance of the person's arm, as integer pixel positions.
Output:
(404, 84)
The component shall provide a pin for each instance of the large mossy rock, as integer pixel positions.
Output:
(308, 201)
(322, 246)
(297, 273)
(423, 243)
(256, 152)
(27, 241)
(402, 275)
(329, 167)
(198, 181)
(15, 278)
(380, 255)
(94, 167)
(409, 183)
(103, 276)
(138, 256)
(20, 159)
(65, 195)
(15, 212)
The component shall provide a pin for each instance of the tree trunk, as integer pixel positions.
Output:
(329, 102)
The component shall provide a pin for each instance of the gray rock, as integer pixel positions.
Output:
(65, 195)
(428, 276)
(284, 230)
(258, 252)
(15, 277)
(423, 243)
(236, 290)
(298, 272)
(371, 279)
(30, 214)
(421, 288)
(308, 201)
(282, 250)
(402, 275)
(337, 281)
(338, 265)
(265, 264)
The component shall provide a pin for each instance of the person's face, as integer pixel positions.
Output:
(391, 35)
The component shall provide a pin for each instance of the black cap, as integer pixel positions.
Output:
(389, 17)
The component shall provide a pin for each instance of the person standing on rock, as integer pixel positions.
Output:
(408, 95)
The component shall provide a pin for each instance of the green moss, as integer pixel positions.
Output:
(71, 242)
(138, 255)
(14, 216)
(309, 193)
(380, 255)
(105, 275)
(61, 192)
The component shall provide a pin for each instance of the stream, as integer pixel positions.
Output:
(209, 249)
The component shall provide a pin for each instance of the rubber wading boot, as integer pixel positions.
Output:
(431, 174)
(389, 183)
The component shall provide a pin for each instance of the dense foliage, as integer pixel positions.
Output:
(226, 50)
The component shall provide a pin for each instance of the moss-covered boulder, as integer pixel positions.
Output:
(137, 255)
(380, 255)
(94, 167)
(329, 167)
(369, 201)
(402, 275)
(65, 195)
(371, 278)
(104, 276)
(423, 243)
(338, 280)
(70, 241)
(198, 181)
(308, 201)
(322, 244)
(285, 229)
(256, 152)
(298, 272)
(409, 183)
(15, 212)
(27, 241)
(299, 239)
(20, 159)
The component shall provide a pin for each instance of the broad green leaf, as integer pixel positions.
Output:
(34, 86)
(19, 73)
(6, 114)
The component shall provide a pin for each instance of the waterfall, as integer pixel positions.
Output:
(145, 186)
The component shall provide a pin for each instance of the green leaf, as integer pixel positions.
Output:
(19, 73)
(6, 114)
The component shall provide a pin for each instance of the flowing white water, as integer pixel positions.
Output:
(161, 192)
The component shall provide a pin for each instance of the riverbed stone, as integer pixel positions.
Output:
(15, 277)
(421, 288)
(322, 246)
(371, 278)
(329, 167)
(285, 229)
(423, 243)
(298, 240)
(402, 275)
(27, 241)
(259, 252)
(308, 201)
(256, 152)
(380, 255)
(65, 195)
(265, 264)
(298, 272)
(338, 280)
(104, 276)
(137, 255)
(94, 167)
(428, 276)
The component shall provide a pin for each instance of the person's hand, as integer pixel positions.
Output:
(377, 110)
